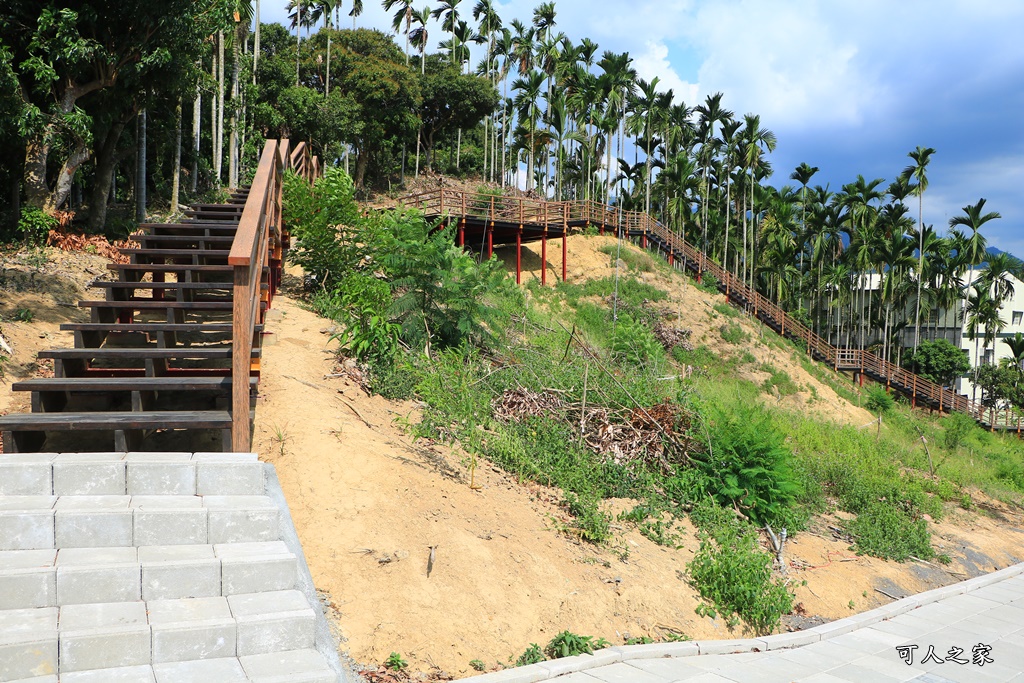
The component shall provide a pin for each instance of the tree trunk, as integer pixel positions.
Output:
(220, 107)
(197, 118)
(176, 177)
(233, 135)
(256, 42)
(362, 162)
(106, 162)
(140, 167)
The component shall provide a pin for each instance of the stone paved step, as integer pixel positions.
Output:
(116, 635)
(72, 474)
(98, 521)
(50, 578)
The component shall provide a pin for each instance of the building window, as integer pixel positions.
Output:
(988, 357)
(1017, 317)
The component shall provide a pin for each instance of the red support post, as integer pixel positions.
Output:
(490, 239)
(544, 256)
(462, 231)
(565, 253)
(519, 256)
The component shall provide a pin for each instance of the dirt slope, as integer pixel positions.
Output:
(368, 504)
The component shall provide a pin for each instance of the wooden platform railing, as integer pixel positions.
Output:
(527, 210)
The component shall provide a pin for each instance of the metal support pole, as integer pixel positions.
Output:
(519, 256)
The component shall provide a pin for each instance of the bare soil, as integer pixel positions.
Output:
(369, 504)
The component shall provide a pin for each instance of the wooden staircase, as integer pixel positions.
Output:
(176, 342)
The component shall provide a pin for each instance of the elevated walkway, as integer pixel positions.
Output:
(489, 220)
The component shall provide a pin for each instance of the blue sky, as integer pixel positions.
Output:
(850, 87)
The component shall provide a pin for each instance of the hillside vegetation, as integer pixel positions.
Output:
(606, 388)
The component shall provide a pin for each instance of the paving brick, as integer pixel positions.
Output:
(175, 553)
(93, 528)
(97, 575)
(223, 670)
(653, 650)
(228, 474)
(166, 580)
(161, 474)
(82, 474)
(169, 526)
(28, 578)
(274, 665)
(257, 573)
(28, 643)
(246, 549)
(104, 635)
(242, 518)
(26, 522)
(26, 474)
(273, 621)
(127, 674)
(195, 628)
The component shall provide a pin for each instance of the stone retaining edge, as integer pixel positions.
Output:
(624, 653)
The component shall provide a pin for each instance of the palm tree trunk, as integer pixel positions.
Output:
(176, 177)
(233, 135)
(220, 104)
(197, 117)
(256, 42)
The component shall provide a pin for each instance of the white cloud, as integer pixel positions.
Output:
(653, 62)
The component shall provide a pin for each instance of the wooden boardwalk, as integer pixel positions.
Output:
(176, 342)
(513, 220)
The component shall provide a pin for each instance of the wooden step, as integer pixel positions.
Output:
(160, 255)
(153, 241)
(25, 432)
(182, 383)
(92, 335)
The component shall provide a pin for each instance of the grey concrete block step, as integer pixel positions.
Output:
(77, 474)
(51, 578)
(134, 635)
(96, 521)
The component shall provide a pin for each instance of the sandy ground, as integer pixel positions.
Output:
(369, 504)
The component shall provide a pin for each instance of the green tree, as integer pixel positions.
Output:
(452, 101)
(918, 172)
(940, 361)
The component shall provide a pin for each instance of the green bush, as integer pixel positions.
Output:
(957, 428)
(532, 655)
(878, 400)
(635, 343)
(727, 310)
(734, 577)
(709, 283)
(569, 644)
(330, 239)
(733, 333)
(35, 225)
(749, 467)
(940, 361)
(888, 532)
(591, 523)
(779, 381)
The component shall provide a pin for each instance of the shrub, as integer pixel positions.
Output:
(733, 333)
(635, 343)
(779, 381)
(958, 427)
(735, 578)
(726, 310)
(886, 531)
(569, 644)
(35, 225)
(878, 400)
(748, 467)
(708, 283)
(532, 655)
(592, 524)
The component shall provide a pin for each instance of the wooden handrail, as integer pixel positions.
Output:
(539, 212)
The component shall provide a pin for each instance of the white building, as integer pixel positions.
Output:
(952, 325)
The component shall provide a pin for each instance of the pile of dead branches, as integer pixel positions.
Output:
(652, 437)
(69, 241)
(671, 337)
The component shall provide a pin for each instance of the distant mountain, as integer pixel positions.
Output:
(1016, 264)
